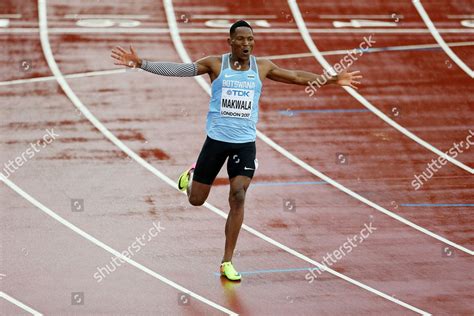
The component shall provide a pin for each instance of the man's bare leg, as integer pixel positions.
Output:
(238, 188)
(197, 192)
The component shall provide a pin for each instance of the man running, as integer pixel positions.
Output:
(236, 79)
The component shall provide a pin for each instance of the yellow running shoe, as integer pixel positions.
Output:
(183, 180)
(227, 270)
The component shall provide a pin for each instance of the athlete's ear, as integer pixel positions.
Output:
(229, 41)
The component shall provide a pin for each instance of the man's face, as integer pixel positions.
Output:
(242, 42)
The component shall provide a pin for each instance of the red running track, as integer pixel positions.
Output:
(44, 262)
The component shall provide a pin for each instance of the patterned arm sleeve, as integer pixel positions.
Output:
(170, 69)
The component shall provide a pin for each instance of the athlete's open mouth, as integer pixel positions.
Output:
(246, 50)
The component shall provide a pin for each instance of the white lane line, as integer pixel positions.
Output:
(19, 304)
(462, 16)
(205, 86)
(232, 16)
(359, 197)
(421, 10)
(273, 57)
(175, 36)
(317, 54)
(10, 16)
(370, 50)
(4, 23)
(43, 23)
(107, 248)
(70, 76)
(105, 16)
(352, 16)
(122, 30)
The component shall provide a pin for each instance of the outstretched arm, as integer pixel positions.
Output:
(300, 77)
(131, 59)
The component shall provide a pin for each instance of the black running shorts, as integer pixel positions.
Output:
(240, 160)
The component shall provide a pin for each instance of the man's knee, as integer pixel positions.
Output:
(198, 193)
(196, 200)
(237, 196)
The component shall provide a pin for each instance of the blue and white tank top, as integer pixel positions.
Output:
(233, 108)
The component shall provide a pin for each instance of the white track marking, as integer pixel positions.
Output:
(4, 22)
(107, 248)
(76, 101)
(352, 16)
(364, 23)
(10, 16)
(123, 30)
(107, 23)
(105, 16)
(467, 16)
(170, 15)
(371, 50)
(273, 57)
(71, 76)
(43, 22)
(421, 10)
(317, 54)
(467, 23)
(359, 197)
(19, 304)
(186, 59)
(231, 16)
(5, 19)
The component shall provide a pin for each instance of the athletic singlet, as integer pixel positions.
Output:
(233, 109)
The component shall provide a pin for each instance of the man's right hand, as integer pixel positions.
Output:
(124, 58)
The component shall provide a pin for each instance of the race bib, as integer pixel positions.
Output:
(236, 102)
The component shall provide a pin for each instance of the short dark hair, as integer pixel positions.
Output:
(238, 24)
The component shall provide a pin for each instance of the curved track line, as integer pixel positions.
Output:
(317, 54)
(43, 24)
(19, 304)
(70, 76)
(361, 198)
(76, 101)
(107, 248)
(434, 32)
(185, 58)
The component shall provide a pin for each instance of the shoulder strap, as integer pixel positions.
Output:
(225, 62)
(253, 63)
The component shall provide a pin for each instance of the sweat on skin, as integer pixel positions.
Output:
(12, 165)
